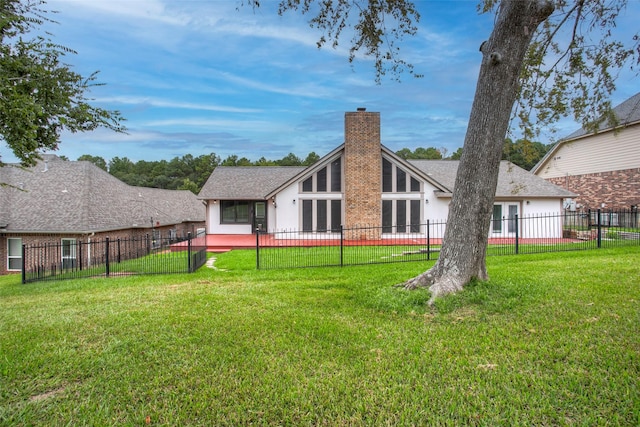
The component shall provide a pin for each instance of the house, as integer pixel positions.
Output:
(59, 201)
(361, 183)
(602, 167)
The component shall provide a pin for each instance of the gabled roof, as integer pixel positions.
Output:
(513, 181)
(246, 182)
(627, 113)
(263, 182)
(58, 196)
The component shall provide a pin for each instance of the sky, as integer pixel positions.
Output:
(216, 76)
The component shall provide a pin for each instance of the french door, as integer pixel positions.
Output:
(503, 223)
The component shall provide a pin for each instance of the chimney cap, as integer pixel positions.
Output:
(362, 109)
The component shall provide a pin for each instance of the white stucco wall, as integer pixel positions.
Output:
(285, 213)
(541, 218)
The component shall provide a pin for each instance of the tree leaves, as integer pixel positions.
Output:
(40, 96)
(572, 65)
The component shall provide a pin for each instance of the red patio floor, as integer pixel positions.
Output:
(227, 242)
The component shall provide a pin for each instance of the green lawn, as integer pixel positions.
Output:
(552, 339)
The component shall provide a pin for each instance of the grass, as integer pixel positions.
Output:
(551, 339)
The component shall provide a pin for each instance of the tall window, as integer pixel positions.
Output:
(14, 254)
(336, 215)
(387, 176)
(401, 216)
(321, 177)
(307, 215)
(414, 216)
(387, 216)
(336, 175)
(235, 211)
(401, 181)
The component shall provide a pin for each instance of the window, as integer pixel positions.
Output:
(307, 215)
(415, 185)
(307, 185)
(14, 254)
(497, 219)
(387, 176)
(387, 216)
(321, 177)
(401, 181)
(336, 215)
(415, 216)
(401, 216)
(68, 253)
(321, 215)
(336, 175)
(235, 211)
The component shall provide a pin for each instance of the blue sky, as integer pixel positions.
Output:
(202, 76)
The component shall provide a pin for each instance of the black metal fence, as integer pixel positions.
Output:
(556, 232)
(72, 259)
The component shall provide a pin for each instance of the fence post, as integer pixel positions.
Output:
(428, 241)
(189, 252)
(517, 234)
(341, 245)
(106, 257)
(257, 249)
(79, 257)
(24, 265)
(599, 230)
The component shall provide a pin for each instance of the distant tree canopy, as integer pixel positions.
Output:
(524, 153)
(183, 173)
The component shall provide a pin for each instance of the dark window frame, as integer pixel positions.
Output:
(224, 204)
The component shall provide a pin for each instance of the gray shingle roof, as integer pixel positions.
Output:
(513, 181)
(246, 182)
(628, 112)
(255, 182)
(63, 196)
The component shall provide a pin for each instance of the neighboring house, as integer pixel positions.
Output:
(603, 168)
(66, 202)
(361, 183)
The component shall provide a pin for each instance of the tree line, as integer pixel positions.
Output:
(190, 173)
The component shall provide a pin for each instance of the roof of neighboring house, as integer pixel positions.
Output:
(246, 182)
(513, 181)
(627, 113)
(60, 196)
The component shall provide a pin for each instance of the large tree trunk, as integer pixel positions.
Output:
(462, 256)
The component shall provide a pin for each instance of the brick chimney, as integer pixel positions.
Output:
(363, 172)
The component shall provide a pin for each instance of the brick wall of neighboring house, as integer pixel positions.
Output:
(362, 172)
(180, 231)
(616, 189)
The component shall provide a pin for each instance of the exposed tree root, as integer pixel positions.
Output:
(438, 284)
